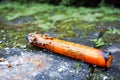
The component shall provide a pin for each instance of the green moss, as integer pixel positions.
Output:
(66, 35)
(15, 10)
(2, 45)
(47, 18)
(113, 31)
(98, 42)
(78, 65)
(111, 36)
(13, 36)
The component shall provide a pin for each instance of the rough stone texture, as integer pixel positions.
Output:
(113, 72)
(112, 44)
(53, 66)
(60, 67)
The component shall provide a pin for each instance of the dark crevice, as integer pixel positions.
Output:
(91, 72)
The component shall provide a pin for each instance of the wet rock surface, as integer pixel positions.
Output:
(113, 72)
(40, 65)
(24, 62)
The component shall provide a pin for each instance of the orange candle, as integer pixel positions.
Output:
(80, 52)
